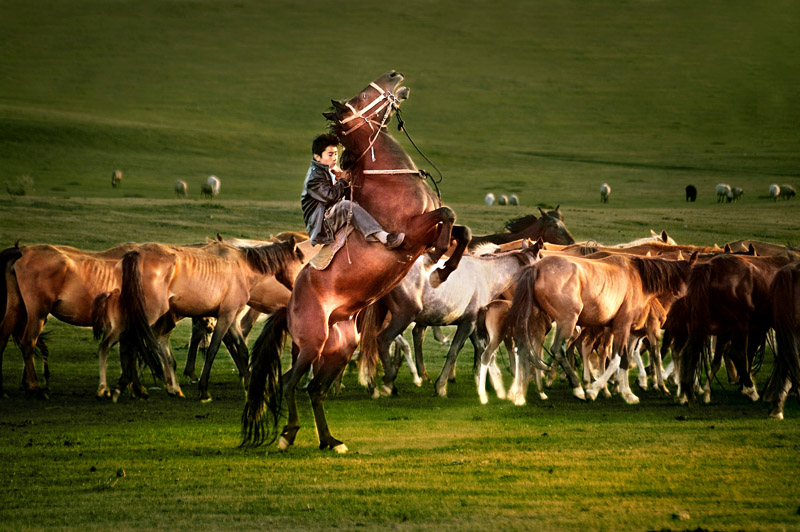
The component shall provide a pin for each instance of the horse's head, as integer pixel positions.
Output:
(372, 107)
(552, 228)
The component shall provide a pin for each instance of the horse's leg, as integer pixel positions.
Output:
(248, 320)
(200, 327)
(33, 329)
(622, 373)
(224, 324)
(636, 355)
(746, 351)
(397, 324)
(464, 330)
(563, 331)
(418, 335)
(488, 359)
(237, 347)
(334, 360)
(439, 336)
(401, 345)
(780, 400)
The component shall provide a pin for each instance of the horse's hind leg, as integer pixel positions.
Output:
(333, 364)
(417, 336)
(396, 326)
(464, 330)
(200, 328)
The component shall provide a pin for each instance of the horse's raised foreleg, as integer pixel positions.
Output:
(462, 235)
(463, 331)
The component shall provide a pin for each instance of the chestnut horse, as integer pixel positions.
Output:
(322, 309)
(54, 280)
(615, 291)
(162, 284)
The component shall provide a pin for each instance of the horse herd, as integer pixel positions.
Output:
(609, 303)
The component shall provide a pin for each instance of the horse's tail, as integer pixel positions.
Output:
(99, 314)
(525, 317)
(137, 328)
(7, 258)
(265, 393)
(372, 320)
(783, 293)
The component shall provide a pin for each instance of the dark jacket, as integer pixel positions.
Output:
(319, 193)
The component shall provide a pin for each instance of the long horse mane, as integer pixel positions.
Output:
(661, 275)
(270, 259)
(520, 224)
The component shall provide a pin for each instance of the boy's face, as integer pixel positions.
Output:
(329, 156)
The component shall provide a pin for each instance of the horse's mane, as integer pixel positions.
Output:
(661, 275)
(270, 259)
(519, 224)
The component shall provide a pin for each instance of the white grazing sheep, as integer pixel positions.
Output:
(116, 178)
(724, 193)
(181, 190)
(513, 199)
(774, 191)
(605, 192)
(489, 199)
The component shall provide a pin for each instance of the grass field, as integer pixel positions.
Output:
(547, 100)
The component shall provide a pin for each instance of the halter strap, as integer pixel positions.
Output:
(385, 98)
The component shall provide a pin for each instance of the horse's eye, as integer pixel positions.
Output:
(363, 96)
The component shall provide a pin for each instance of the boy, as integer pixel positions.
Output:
(324, 208)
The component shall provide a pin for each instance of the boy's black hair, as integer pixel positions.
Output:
(323, 141)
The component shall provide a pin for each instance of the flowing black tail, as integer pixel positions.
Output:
(137, 328)
(265, 393)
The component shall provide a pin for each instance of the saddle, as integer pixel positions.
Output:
(324, 256)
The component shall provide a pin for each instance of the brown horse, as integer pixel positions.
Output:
(785, 297)
(550, 228)
(322, 309)
(615, 291)
(161, 284)
(266, 296)
(729, 298)
(54, 280)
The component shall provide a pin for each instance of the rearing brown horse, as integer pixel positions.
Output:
(321, 312)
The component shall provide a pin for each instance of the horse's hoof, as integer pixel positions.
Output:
(341, 448)
(579, 393)
(283, 444)
(642, 385)
(115, 395)
(776, 415)
(519, 401)
(376, 393)
(707, 397)
(388, 391)
(751, 393)
(543, 396)
(630, 399)
(483, 398)
(501, 394)
(683, 400)
(417, 382)
(206, 399)
(591, 393)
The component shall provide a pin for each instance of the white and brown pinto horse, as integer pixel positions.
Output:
(613, 292)
(321, 315)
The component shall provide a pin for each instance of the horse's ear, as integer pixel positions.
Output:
(648, 254)
(219, 237)
(664, 236)
(680, 255)
(329, 116)
(540, 242)
(693, 258)
(752, 251)
(339, 105)
(541, 211)
(728, 248)
(716, 246)
(653, 233)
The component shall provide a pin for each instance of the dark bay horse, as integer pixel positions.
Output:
(549, 227)
(729, 298)
(322, 309)
(785, 298)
